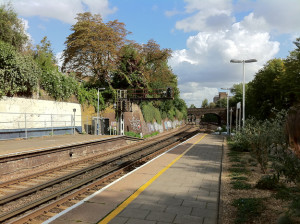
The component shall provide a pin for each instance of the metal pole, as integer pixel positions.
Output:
(227, 112)
(243, 93)
(51, 125)
(87, 124)
(98, 114)
(26, 126)
(230, 121)
(236, 119)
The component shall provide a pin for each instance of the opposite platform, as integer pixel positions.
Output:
(46, 142)
(180, 186)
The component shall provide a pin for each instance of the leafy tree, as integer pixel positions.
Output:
(130, 68)
(11, 27)
(156, 70)
(193, 106)
(18, 73)
(264, 92)
(221, 103)
(290, 83)
(204, 103)
(237, 91)
(44, 56)
(211, 105)
(93, 46)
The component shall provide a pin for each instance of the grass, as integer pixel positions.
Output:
(240, 185)
(247, 209)
(239, 178)
(238, 170)
(132, 134)
(152, 134)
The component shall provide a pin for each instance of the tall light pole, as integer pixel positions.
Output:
(98, 110)
(243, 61)
(227, 123)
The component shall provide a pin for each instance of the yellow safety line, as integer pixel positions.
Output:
(125, 203)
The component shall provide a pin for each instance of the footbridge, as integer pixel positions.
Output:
(195, 114)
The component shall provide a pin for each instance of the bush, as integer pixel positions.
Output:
(240, 185)
(239, 142)
(132, 134)
(247, 208)
(18, 73)
(267, 182)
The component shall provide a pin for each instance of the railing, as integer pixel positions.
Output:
(24, 125)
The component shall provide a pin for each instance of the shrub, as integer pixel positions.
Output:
(240, 185)
(247, 208)
(267, 182)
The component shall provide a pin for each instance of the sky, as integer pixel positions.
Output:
(204, 35)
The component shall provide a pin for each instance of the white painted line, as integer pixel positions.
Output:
(92, 195)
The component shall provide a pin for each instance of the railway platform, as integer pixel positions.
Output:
(15, 146)
(179, 186)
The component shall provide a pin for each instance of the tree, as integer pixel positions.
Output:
(18, 73)
(12, 28)
(290, 82)
(193, 106)
(93, 46)
(204, 103)
(130, 68)
(212, 105)
(264, 92)
(44, 56)
(156, 70)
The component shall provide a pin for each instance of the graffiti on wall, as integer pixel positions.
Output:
(135, 123)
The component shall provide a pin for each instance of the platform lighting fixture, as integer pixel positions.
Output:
(98, 109)
(227, 125)
(243, 61)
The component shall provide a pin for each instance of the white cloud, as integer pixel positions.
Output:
(206, 60)
(65, 10)
(194, 93)
(281, 16)
(206, 15)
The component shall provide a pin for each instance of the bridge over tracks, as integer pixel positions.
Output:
(195, 114)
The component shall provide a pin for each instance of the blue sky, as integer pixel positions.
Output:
(203, 34)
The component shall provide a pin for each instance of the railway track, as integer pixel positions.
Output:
(36, 190)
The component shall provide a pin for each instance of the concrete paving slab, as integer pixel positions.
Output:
(187, 192)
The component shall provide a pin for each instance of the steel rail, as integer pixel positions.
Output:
(33, 204)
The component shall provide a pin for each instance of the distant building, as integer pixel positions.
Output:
(222, 95)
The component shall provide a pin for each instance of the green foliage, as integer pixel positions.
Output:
(151, 113)
(240, 185)
(12, 28)
(276, 85)
(239, 178)
(132, 134)
(204, 103)
(151, 135)
(18, 73)
(58, 85)
(247, 208)
(267, 182)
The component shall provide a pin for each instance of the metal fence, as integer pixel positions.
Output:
(25, 125)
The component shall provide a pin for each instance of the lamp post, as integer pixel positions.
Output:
(243, 61)
(98, 110)
(74, 110)
(227, 125)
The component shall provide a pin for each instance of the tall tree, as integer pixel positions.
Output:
(92, 48)
(130, 68)
(12, 28)
(204, 103)
(264, 92)
(44, 56)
